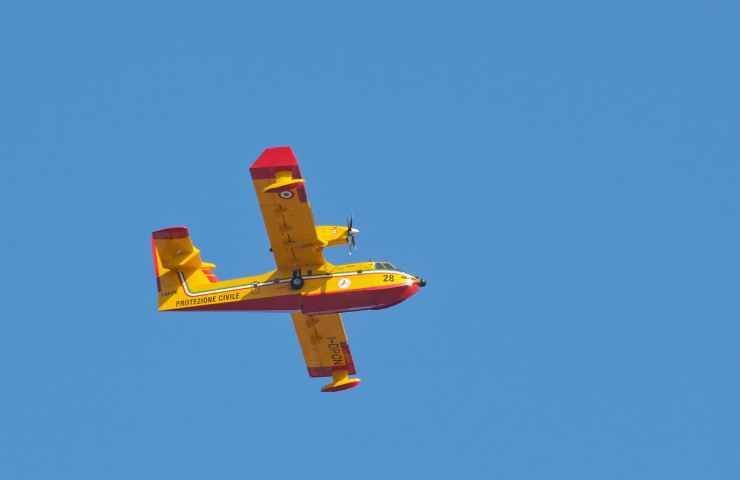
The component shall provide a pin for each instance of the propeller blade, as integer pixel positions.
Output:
(351, 232)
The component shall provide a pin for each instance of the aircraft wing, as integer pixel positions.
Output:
(281, 193)
(324, 344)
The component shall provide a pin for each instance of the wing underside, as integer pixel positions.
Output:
(281, 193)
(323, 343)
(295, 244)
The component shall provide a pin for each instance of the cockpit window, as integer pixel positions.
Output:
(385, 266)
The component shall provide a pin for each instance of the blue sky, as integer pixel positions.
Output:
(565, 174)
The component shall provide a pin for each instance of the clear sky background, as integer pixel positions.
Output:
(565, 174)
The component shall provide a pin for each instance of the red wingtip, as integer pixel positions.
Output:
(171, 233)
(274, 159)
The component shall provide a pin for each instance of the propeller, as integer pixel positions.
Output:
(351, 233)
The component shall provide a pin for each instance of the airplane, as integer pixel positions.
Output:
(314, 291)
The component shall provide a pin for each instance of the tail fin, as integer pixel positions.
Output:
(174, 254)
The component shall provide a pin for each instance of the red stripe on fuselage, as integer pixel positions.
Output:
(364, 299)
(335, 302)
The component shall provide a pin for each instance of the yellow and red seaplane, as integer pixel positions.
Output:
(314, 291)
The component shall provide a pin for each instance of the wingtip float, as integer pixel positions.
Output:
(304, 284)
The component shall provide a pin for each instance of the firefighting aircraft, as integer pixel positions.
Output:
(314, 291)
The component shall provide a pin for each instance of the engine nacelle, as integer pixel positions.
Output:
(332, 235)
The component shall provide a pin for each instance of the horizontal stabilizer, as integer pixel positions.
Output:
(176, 258)
(176, 250)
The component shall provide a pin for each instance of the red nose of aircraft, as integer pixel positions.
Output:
(397, 295)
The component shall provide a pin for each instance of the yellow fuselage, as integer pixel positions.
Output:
(327, 289)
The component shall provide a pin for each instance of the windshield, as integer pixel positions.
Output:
(385, 266)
